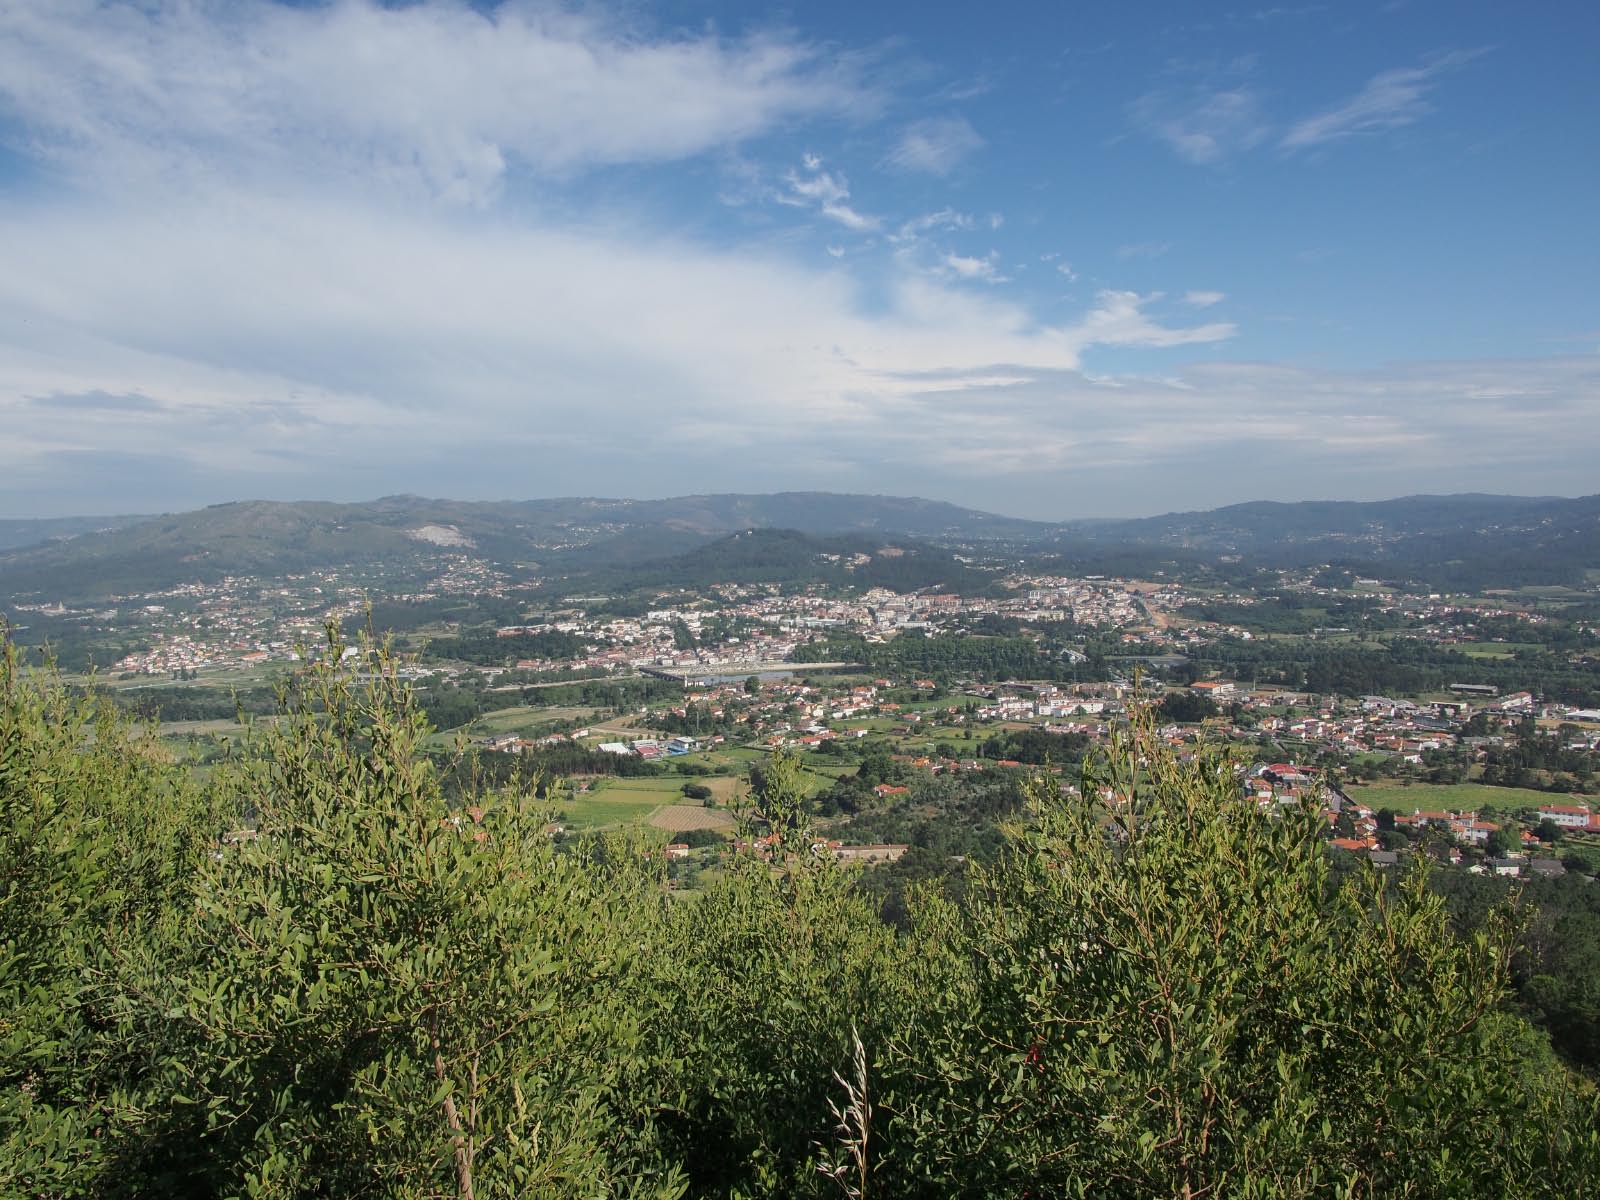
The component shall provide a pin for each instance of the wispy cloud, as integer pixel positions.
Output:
(935, 146)
(982, 270)
(1389, 100)
(828, 193)
(944, 219)
(1119, 319)
(1204, 127)
(1280, 11)
(1144, 250)
(1203, 299)
(437, 97)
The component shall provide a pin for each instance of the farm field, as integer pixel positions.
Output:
(613, 802)
(202, 728)
(680, 818)
(1455, 797)
(507, 720)
(206, 677)
(1494, 649)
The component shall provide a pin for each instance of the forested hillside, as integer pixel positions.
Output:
(312, 973)
(411, 536)
(1464, 541)
(1452, 542)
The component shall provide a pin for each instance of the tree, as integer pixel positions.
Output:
(777, 803)
(1548, 831)
(96, 839)
(1503, 841)
(1393, 839)
(426, 997)
(1166, 995)
(1186, 707)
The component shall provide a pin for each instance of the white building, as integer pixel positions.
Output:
(1567, 816)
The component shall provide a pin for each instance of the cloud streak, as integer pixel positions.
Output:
(936, 146)
(1206, 127)
(826, 192)
(1389, 100)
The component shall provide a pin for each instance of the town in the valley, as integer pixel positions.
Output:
(1452, 726)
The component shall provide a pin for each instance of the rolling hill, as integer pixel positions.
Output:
(1465, 541)
(407, 535)
(1460, 541)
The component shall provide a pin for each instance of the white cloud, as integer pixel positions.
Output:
(945, 218)
(852, 220)
(936, 146)
(1204, 299)
(1119, 319)
(1206, 126)
(1389, 100)
(433, 97)
(371, 353)
(983, 270)
(1128, 444)
(1144, 250)
(366, 335)
(828, 193)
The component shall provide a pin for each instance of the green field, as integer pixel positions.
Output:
(221, 678)
(613, 802)
(1494, 649)
(524, 718)
(1455, 797)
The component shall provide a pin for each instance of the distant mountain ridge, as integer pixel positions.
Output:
(1239, 525)
(1452, 541)
(17, 533)
(1444, 538)
(563, 534)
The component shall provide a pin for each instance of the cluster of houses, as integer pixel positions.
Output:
(1402, 728)
(234, 622)
(1463, 829)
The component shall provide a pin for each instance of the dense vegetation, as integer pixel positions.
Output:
(1463, 542)
(1404, 666)
(787, 557)
(316, 974)
(950, 656)
(489, 649)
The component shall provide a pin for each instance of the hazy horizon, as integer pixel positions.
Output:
(1050, 264)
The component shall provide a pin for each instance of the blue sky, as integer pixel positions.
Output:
(1050, 260)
